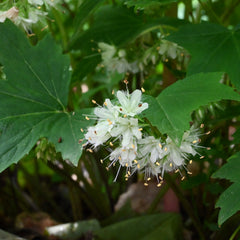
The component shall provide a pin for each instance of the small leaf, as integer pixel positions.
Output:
(34, 97)
(229, 201)
(213, 48)
(170, 112)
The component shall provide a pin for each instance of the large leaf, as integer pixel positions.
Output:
(34, 97)
(170, 112)
(229, 201)
(117, 26)
(213, 49)
(151, 227)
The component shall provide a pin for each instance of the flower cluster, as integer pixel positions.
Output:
(120, 126)
(115, 60)
(26, 15)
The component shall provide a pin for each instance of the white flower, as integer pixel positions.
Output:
(131, 103)
(11, 14)
(151, 148)
(98, 134)
(109, 112)
(128, 129)
(168, 49)
(107, 117)
(125, 156)
(108, 51)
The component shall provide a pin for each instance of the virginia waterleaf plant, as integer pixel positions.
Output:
(33, 101)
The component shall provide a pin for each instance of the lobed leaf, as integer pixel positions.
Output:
(229, 201)
(214, 48)
(171, 111)
(33, 99)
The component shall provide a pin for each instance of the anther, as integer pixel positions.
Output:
(139, 105)
(125, 115)
(107, 168)
(170, 165)
(140, 129)
(125, 81)
(190, 162)
(133, 146)
(99, 50)
(94, 102)
(195, 141)
(143, 90)
(129, 173)
(176, 171)
(202, 157)
(87, 118)
(119, 158)
(90, 138)
(202, 125)
(182, 178)
(120, 109)
(95, 132)
(207, 133)
(159, 185)
(160, 145)
(145, 184)
(190, 173)
(82, 130)
(165, 149)
(138, 166)
(126, 164)
(101, 161)
(105, 103)
(111, 144)
(208, 148)
(135, 161)
(113, 92)
(157, 163)
(148, 179)
(90, 150)
(80, 140)
(160, 178)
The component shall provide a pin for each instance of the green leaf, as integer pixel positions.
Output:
(34, 97)
(229, 201)
(117, 26)
(146, 3)
(170, 112)
(83, 12)
(151, 227)
(213, 49)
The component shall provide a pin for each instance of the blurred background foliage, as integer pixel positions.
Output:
(43, 190)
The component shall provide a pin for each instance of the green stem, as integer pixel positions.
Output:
(63, 33)
(235, 233)
(186, 205)
(229, 11)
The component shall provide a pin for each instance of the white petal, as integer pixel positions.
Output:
(135, 99)
(123, 100)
